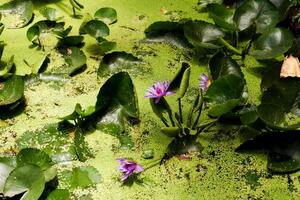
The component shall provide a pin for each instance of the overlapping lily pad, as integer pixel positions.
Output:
(11, 90)
(107, 15)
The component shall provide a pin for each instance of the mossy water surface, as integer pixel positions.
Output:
(215, 173)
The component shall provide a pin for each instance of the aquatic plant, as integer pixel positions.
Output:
(128, 168)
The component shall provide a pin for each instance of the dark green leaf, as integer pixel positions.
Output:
(7, 68)
(259, 13)
(180, 82)
(59, 194)
(118, 61)
(171, 131)
(75, 60)
(282, 164)
(248, 115)
(81, 148)
(73, 40)
(207, 2)
(83, 177)
(169, 32)
(221, 65)
(33, 156)
(160, 108)
(106, 45)
(17, 13)
(222, 16)
(107, 15)
(11, 90)
(272, 43)
(95, 28)
(203, 34)
(224, 94)
(282, 6)
(29, 179)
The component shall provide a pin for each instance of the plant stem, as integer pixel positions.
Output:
(74, 11)
(229, 47)
(164, 121)
(152, 164)
(171, 118)
(180, 110)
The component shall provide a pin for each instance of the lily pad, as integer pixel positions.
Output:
(259, 13)
(50, 14)
(203, 34)
(107, 15)
(224, 94)
(17, 13)
(59, 194)
(29, 179)
(222, 16)
(272, 43)
(83, 177)
(4, 173)
(81, 148)
(94, 28)
(118, 61)
(11, 90)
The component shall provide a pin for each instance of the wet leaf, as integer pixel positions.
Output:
(50, 14)
(7, 67)
(83, 177)
(180, 82)
(17, 13)
(169, 32)
(11, 90)
(221, 65)
(203, 34)
(222, 16)
(272, 43)
(29, 179)
(224, 94)
(282, 164)
(94, 28)
(107, 15)
(81, 148)
(59, 194)
(118, 61)
(259, 13)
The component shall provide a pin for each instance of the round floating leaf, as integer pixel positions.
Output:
(282, 164)
(17, 13)
(11, 90)
(222, 16)
(221, 65)
(29, 179)
(73, 40)
(75, 60)
(83, 177)
(224, 94)
(261, 13)
(33, 156)
(272, 43)
(118, 61)
(203, 34)
(59, 194)
(106, 45)
(107, 15)
(95, 28)
(50, 13)
(33, 34)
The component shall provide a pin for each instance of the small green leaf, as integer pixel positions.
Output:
(29, 179)
(50, 13)
(203, 34)
(59, 194)
(17, 13)
(75, 60)
(81, 148)
(83, 177)
(259, 13)
(272, 43)
(107, 15)
(11, 90)
(222, 16)
(106, 45)
(180, 82)
(7, 68)
(94, 28)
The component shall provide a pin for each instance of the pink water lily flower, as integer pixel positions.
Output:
(159, 90)
(204, 82)
(128, 167)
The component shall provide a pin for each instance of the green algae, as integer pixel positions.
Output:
(215, 173)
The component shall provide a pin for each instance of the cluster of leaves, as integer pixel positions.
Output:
(32, 174)
(253, 30)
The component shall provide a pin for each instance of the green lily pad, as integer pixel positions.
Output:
(259, 13)
(203, 34)
(29, 179)
(221, 65)
(33, 156)
(59, 194)
(94, 28)
(5, 69)
(282, 164)
(50, 14)
(73, 40)
(107, 15)
(4, 173)
(118, 61)
(272, 43)
(222, 16)
(83, 177)
(105, 45)
(224, 94)
(81, 148)
(17, 13)
(168, 32)
(11, 90)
